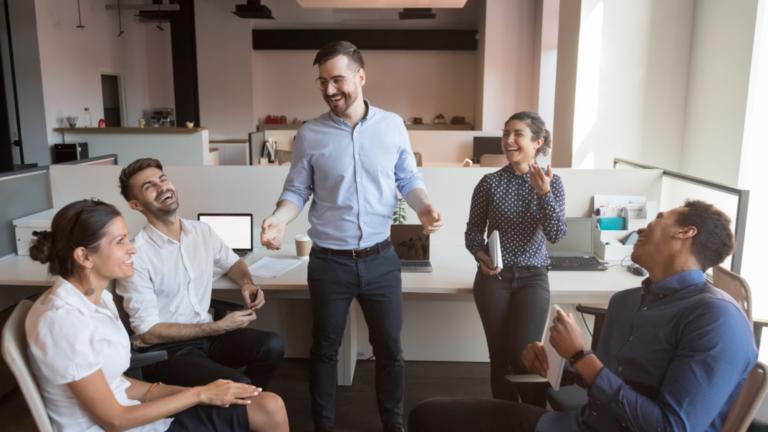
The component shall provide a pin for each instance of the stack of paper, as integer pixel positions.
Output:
(271, 268)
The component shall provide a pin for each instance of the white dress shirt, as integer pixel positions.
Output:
(172, 280)
(70, 338)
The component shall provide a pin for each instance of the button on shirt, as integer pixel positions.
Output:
(506, 202)
(70, 338)
(676, 354)
(354, 175)
(172, 280)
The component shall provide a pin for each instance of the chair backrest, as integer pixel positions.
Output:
(14, 346)
(735, 286)
(748, 401)
(493, 160)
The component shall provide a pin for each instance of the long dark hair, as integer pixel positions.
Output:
(78, 224)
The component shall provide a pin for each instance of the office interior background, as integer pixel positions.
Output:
(680, 85)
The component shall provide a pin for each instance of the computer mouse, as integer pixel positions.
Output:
(637, 270)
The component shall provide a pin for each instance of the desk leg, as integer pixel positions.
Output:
(345, 370)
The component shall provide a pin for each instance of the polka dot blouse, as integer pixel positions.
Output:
(507, 202)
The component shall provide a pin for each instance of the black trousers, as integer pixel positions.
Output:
(476, 415)
(376, 284)
(201, 361)
(513, 310)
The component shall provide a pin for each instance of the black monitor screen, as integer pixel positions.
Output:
(485, 145)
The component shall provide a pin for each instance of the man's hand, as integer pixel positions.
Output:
(565, 336)
(253, 296)
(235, 320)
(535, 358)
(540, 179)
(430, 218)
(485, 264)
(272, 232)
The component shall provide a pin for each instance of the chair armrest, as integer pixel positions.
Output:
(599, 314)
(592, 310)
(757, 329)
(141, 359)
(525, 378)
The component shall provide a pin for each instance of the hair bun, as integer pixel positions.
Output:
(41, 249)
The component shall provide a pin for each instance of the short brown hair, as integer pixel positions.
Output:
(714, 240)
(131, 170)
(337, 48)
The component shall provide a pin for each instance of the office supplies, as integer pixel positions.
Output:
(412, 246)
(272, 268)
(576, 250)
(494, 246)
(235, 229)
(554, 361)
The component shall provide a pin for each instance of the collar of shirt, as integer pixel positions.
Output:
(160, 239)
(511, 171)
(370, 112)
(674, 283)
(67, 293)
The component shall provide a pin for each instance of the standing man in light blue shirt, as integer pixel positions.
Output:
(353, 159)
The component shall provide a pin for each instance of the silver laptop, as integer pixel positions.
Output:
(412, 246)
(575, 252)
(236, 229)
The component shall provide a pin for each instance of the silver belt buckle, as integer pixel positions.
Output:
(354, 256)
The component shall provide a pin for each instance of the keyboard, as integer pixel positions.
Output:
(576, 263)
(416, 266)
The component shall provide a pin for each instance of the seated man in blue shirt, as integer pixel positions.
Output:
(673, 354)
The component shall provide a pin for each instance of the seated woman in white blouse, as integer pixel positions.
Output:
(79, 348)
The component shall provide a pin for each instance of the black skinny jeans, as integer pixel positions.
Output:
(513, 309)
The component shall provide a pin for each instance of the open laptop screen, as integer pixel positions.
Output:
(410, 242)
(236, 229)
(577, 240)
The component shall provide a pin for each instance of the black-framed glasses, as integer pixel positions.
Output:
(337, 81)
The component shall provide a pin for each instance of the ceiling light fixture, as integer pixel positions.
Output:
(253, 9)
(381, 4)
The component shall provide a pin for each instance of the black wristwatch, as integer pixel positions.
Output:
(580, 354)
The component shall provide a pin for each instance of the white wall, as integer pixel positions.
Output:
(72, 61)
(717, 89)
(631, 82)
(224, 70)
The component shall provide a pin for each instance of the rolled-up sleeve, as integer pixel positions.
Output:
(407, 174)
(139, 298)
(298, 185)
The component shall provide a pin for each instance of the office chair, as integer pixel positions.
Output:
(14, 347)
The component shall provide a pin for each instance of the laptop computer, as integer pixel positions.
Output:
(412, 246)
(575, 252)
(236, 229)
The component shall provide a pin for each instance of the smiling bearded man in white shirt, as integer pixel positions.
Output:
(169, 295)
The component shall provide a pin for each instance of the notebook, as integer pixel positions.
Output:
(575, 252)
(412, 246)
(235, 229)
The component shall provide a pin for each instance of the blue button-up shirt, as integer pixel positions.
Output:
(354, 174)
(676, 354)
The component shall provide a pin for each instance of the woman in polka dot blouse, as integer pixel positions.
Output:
(526, 205)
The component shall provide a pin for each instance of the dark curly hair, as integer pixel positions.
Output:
(714, 240)
(131, 170)
(78, 224)
(538, 129)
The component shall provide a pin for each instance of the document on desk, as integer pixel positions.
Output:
(554, 361)
(271, 268)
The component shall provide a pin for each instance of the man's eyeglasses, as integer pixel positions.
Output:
(337, 81)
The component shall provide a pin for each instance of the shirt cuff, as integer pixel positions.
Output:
(606, 386)
(293, 197)
(410, 186)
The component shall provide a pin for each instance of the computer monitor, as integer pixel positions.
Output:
(410, 242)
(236, 229)
(485, 145)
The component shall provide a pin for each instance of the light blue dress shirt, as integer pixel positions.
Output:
(354, 175)
(676, 353)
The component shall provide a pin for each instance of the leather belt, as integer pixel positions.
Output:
(356, 253)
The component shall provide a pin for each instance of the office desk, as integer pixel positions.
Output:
(453, 275)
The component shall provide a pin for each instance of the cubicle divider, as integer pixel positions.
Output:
(22, 193)
(678, 187)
